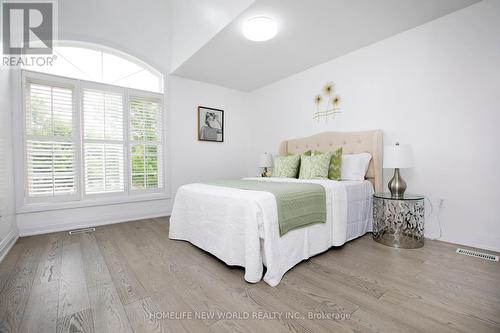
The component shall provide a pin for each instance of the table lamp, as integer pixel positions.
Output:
(266, 161)
(398, 157)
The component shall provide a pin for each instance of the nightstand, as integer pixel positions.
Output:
(399, 222)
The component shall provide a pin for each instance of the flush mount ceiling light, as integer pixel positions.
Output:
(259, 29)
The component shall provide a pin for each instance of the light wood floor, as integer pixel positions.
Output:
(131, 277)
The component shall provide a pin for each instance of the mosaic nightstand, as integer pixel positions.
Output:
(399, 222)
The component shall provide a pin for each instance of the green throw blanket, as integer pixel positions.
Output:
(298, 204)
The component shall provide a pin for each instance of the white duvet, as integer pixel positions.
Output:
(240, 227)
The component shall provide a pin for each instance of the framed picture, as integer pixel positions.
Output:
(210, 124)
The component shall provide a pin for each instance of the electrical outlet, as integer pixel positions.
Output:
(442, 203)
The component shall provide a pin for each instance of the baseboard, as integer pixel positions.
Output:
(7, 243)
(45, 222)
(72, 226)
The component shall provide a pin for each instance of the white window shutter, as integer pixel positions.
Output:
(50, 148)
(103, 141)
(88, 140)
(146, 150)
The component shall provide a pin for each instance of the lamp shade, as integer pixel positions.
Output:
(398, 156)
(266, 160)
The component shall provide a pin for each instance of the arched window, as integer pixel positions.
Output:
(93, 128)
(95, 63)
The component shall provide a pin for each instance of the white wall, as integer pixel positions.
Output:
(195, 22)
(188, 160)
(435, 87)
(147, 37)
(139, 28)
(8, 230)
(193, 160)
(76, 218)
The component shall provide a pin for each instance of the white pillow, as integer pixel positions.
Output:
(354, 166)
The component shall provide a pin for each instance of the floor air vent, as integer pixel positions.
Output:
(477, 254)
(81, 231)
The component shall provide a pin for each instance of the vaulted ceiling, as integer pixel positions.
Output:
(310, 32)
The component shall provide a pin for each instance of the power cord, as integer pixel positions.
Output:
(437, 217)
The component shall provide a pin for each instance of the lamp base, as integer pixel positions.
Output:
(397, 186)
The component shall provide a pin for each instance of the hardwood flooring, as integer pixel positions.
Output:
(130, 277)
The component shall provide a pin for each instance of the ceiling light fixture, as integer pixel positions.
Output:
(259, 29)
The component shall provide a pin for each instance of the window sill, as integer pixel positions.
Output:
(92, 202)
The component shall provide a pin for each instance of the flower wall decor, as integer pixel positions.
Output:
(331, 107)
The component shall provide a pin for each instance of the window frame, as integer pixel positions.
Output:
(42, 79)
(103, 87)
(82, 199)
(108, 50)
(147, 95)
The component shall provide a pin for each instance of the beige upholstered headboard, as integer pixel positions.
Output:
(351, 142)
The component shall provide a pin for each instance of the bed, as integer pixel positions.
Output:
(240, 226)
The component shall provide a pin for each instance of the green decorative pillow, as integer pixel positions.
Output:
(286, 166)
(335, 164)
(315, 166)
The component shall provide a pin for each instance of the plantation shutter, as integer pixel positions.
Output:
(50, 141)
(103, 141)
(146, 150)
(88, 140)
